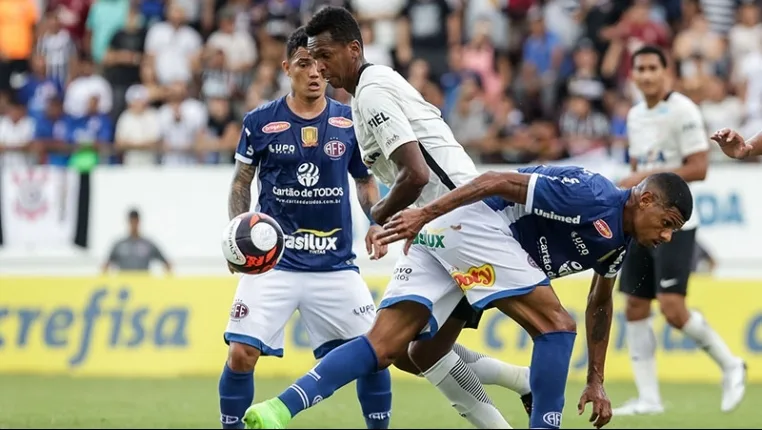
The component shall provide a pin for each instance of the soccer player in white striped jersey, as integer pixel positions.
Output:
(666, 134)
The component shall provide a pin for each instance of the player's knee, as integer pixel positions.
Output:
(425, 354)
(561, 321)
(241, 357)
(673, 308)
(637, 308)
(394, 328)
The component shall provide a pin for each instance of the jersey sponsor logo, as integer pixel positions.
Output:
(402, 274)
(308, 174)
(392, 140)
(281, 148)
(370, 159)
(365, 309)
(309, 136)
(430, 239)
(556, 217)
(603, 229)
(312, 241)
(276, 127)
(579, 244)
(340, 122)
(569, 268)
(376, 120)
(482, 276)
(239, 310)
(335, 149)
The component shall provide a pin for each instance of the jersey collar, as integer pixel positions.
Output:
(359, 73)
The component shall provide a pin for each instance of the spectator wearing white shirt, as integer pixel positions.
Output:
(173, 47)
(183, 125)
(86, 86)
(238, 46)
(138, 132)
(16, 136)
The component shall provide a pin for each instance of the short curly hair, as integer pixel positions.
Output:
(338, 22)
(297, 39)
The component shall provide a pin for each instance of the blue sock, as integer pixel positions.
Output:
(375, 394)
(236, 394)
(551, 356)
(338, 368)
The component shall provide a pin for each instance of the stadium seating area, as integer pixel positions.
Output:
(154, 81)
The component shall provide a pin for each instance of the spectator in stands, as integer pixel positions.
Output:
(58, 49)
(173, 48)
(582, 128)
(50, 133)
(698, 50)
(183, 121)
(135, 252)
(17, 21)
(86, 85)
(427, 28)
(468, 118)
(16, 137)
(124, 57)
(138, 131)
(104, 19)
(238, 46)
(90, 134)
(72, 16)
(223, 128)
(35, 88)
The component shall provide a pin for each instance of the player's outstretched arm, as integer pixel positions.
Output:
(239, 200)
(512, 186)
(412, 176)
(734, 146)
(598, 315)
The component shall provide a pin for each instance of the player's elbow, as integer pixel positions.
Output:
(415, 179)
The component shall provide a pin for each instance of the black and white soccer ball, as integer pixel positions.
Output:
(253, 243)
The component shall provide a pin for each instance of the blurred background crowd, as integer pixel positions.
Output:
(87, 82)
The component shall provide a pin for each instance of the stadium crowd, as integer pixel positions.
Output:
(87, 82)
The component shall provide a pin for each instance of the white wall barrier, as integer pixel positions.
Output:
(185, 209)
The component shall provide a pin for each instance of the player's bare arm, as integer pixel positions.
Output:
(512, 186)
(598, 315)
(734, 145)
(412, 176)
(368, 195)
(694, 168)
(239, 200)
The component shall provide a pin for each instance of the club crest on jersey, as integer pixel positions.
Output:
(335, 149)
(603, 229)
(276, 127)
(309, 136)
(340, 122)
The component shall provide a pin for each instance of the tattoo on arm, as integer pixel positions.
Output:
(598, 314)
(239, 200)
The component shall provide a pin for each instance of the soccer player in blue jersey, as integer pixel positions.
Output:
(301, 149)
(473, 253)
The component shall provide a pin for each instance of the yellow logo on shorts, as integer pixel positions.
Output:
(482, 276)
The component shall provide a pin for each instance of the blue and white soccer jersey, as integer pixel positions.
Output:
(303, 183)
(572, 221)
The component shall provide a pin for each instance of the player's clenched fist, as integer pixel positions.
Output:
(731, 143)
(595, 394)
(403, 225)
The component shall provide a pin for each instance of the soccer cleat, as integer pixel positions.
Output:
(733, 386)
(526, 401)
(271, 414)
(638, 407)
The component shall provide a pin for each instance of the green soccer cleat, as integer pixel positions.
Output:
(271, 414)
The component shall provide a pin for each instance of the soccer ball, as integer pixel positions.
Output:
(253, 243)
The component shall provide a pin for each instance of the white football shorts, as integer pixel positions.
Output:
(468, 251)
(335, 307)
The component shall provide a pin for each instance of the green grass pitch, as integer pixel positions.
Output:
(63, 402)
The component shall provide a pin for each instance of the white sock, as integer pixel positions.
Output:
(641, 343)
(706, 338)
(461, 386)
(491, 371)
